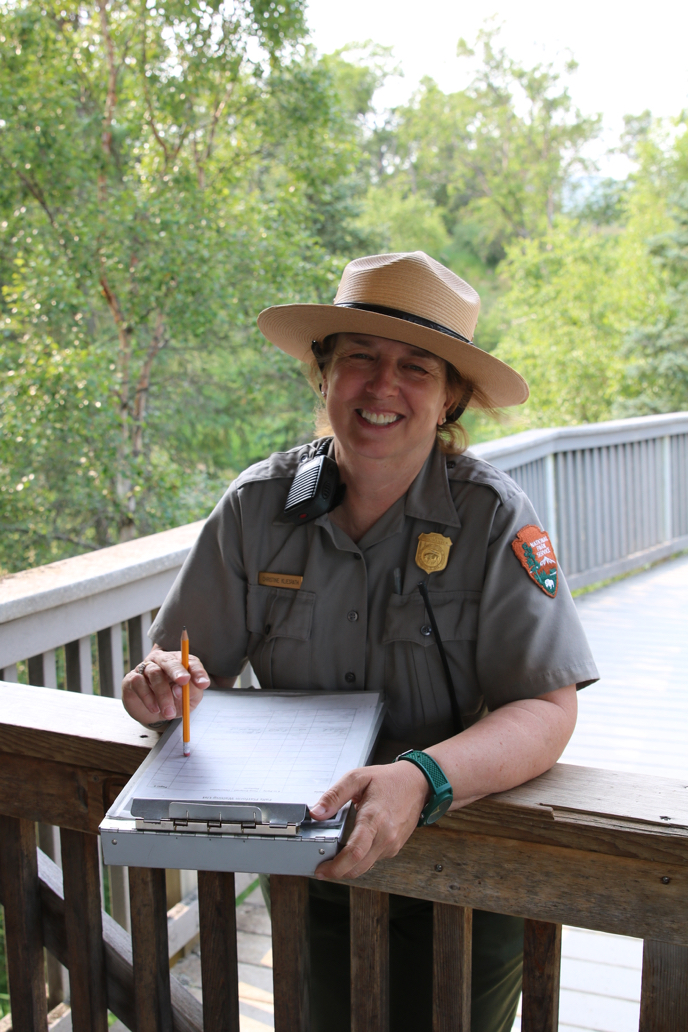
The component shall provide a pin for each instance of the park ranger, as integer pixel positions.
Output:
(415, 569)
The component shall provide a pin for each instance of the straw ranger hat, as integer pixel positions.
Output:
(406, 297)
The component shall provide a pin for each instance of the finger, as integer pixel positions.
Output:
(348, 787)
(138, 699)
(357, 853)
(171, 665)
(139, 685)
(198, 673)
(161, 688)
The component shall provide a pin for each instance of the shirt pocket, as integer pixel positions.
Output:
(415, 681)
(279, 622)
(456, 613)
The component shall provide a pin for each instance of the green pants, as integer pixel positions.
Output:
(497, 963)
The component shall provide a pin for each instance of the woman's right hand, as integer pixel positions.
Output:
(154, 695)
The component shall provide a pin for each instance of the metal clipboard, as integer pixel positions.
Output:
(172, 828)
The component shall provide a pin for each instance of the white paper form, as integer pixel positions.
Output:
(260, 747)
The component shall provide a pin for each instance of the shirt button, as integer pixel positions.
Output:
(450, 465)
(267, 628)
(350, 677)
(352, 616)
(356, 555)
(426, 630)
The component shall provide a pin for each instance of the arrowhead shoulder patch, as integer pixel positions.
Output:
(533, 549)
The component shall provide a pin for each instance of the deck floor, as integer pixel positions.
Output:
(635, 719)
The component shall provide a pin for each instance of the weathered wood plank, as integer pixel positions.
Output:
(23, 930)
(217, 915)
(369, 961)
(85, 730)
(538, 824)
(81, 880)
(149, 945)
(590, 791)
(541, 971)
(187, 1014)
(290, 952)
(664, 996)
(591, 890)
(452, 933)
(53, 792)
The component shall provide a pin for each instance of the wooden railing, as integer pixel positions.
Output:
(585, 847)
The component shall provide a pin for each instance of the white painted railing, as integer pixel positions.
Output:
(613, 496)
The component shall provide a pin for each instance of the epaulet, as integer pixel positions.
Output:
(278, 466)
(476, 471)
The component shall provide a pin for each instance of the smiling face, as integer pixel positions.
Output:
(384, 398)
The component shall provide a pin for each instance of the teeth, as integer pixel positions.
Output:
(379, 418)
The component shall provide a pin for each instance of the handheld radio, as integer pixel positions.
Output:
(315, 489)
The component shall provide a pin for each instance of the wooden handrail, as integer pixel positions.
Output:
(598, 849)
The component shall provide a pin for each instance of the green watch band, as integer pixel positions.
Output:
(443, 793)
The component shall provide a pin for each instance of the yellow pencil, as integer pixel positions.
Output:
(186, 697)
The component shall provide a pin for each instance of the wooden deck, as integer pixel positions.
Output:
(635, 719)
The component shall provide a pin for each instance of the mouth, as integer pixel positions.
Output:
(379, 418)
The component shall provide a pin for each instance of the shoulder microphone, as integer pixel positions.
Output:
(315, 489)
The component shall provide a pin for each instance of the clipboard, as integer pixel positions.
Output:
(240, 801)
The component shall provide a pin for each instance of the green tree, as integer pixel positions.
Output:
(162, 171)
(494, 157)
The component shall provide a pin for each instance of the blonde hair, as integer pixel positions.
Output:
(451, 438)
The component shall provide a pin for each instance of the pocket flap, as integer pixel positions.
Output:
(279, 612)
(456, 613)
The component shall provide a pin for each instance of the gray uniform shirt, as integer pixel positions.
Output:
(347, 628)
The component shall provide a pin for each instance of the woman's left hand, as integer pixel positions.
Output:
(388, 801)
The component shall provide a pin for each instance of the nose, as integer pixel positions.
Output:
(383, 381)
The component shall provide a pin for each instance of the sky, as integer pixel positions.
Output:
(631, 56)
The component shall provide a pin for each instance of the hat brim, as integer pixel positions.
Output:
(293, 328)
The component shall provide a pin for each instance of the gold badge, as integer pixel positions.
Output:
(432, 552)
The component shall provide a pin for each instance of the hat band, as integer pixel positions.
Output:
(397, 314)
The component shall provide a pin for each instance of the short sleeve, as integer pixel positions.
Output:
(529, 642)
(209, 595)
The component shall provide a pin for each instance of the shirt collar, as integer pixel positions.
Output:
(429, 497)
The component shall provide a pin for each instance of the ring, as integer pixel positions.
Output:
(141, 667)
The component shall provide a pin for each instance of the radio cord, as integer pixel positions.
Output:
(456, 712)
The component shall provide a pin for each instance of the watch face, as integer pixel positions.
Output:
(438, 807)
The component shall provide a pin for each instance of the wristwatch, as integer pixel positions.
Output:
(443, 793)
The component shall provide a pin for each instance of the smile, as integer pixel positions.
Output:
(379, 418)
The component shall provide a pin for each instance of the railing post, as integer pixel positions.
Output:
(83, 924)
(23, 925)
(290, 952)
(664, 995)
(369, 960)
(541, 971)
(78, 666)
(452, 935)
(550, 515)
(149, 949)
(217, 916)
(667, 492)
(111, 661)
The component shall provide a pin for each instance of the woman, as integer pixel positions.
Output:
(431, 579)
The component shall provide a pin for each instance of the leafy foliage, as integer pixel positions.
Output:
(158, 191)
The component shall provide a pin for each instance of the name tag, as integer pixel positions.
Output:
(280, 580)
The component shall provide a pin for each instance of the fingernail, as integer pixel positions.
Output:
(318, 810)
(202, 680)
(168, 712)
(320, 877)
(177, 691)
